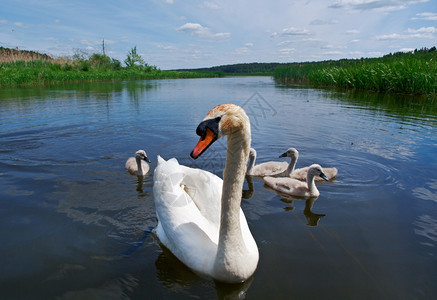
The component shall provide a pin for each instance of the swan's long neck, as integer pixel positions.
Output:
(311, 184)
(252, 160)
(291, 166)
(139, 165)
(231, 247)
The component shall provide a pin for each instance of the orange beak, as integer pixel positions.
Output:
(203, 144)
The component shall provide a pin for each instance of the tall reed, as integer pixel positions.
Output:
(412, 73)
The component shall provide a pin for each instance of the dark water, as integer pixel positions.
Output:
(74, 223)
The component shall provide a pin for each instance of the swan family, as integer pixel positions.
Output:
(200, 219)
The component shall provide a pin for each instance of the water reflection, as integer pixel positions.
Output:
(311, 217)
(172, 273)
(177, 277)
(118, 288)
(248, 193)
(429, 193)
(426, 226)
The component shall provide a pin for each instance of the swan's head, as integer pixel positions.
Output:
(222, 120)
(141, 154)
(252, 153)
(291, 152)
(317, 170)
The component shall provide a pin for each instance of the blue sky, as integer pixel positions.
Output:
(190, 34)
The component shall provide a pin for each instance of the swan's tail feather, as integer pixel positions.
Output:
(160, 159)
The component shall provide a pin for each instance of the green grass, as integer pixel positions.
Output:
(38, 72)
(410, 73)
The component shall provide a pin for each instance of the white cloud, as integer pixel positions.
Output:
(352, 31)
(375, 53)
(426, 16)
(166, 47)
(211, 5)
(284, 43)
(287, 50)
(3, 21)
(323, 22)
(374, 4)
(19, 24)
(423, 30)
(242, 50)
(333, 53)
(169, 1)
(199, 30)
(421, 33)
(294, 31)
(91, 43)
(406, 50)
(248, 44)
(393, 36)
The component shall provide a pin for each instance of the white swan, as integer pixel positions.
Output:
(138, 165)
(301, 174)
(199, 216)
(270, 168)
(294, 187)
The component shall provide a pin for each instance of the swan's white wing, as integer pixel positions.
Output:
(329, 172)
(205, 189)
(145, 167)
(286, 185)
(131, 165)
(183, 226)
(301, 174)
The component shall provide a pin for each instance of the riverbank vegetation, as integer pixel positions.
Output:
(409, 73)
(402, 72)
(244, 69)
(32, 68)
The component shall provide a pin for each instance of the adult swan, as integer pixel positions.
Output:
(199, 215)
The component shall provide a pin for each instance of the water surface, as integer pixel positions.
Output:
(74, 223)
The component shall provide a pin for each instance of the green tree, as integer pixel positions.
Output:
(100, 61)
(133, 59)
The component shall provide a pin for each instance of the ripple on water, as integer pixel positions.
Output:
(365, 171)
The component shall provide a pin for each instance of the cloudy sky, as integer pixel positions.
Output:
(190, 34)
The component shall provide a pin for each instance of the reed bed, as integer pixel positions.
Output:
(21, 68)
(410, 73)
(8, 55)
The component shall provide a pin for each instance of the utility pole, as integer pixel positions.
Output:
(103, 46)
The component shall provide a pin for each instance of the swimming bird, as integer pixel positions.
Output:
(138, 165)
(270, 168)
(199, 215)
(301, 173)
(294, 187)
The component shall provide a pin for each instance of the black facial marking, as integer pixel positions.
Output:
(212, 124)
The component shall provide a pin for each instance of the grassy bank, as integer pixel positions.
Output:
(39, 72)
(30, 68)
(411, 73)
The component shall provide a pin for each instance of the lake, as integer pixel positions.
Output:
(75, 225)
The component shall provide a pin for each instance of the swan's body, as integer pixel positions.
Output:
(294, 187)
(270, 168)
(199, 216)
(301, 174)
(138, 165)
